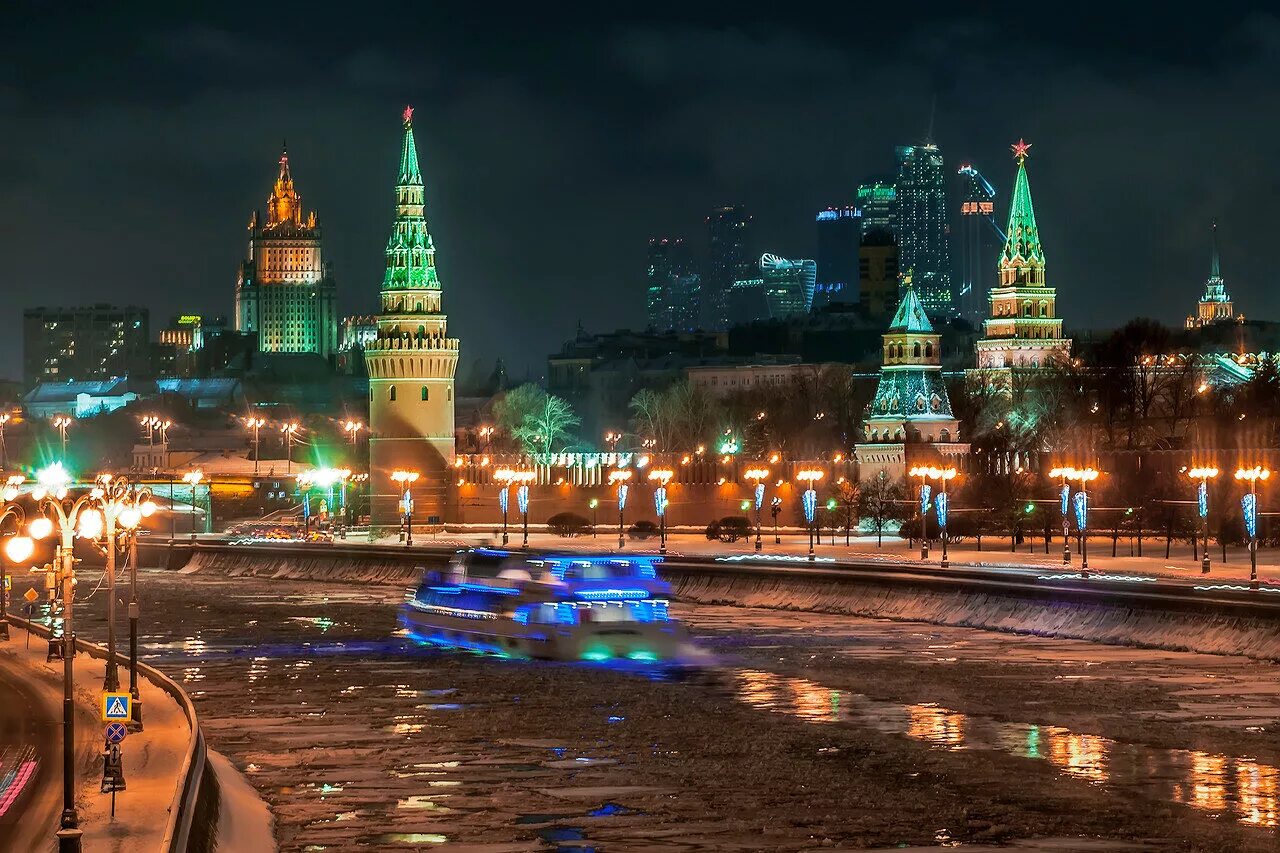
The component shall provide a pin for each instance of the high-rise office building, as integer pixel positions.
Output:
(839, 234)
(923, 225)
(411, 362)
(729, 260)
(285, 293)
(878, 274)
(780, 288)
(673, 294)
(82, 343)
(878, 202)
(980, 239)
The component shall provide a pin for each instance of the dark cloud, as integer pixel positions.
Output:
(137, 142)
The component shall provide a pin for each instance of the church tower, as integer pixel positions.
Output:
(909, 421)
(1023, 330)
(411, 362)
(1215, 305)
(285, 292)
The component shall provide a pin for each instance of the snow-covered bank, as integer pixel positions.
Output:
(312, 565)
(1120, 624)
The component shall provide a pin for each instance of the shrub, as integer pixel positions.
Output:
(731, 528)
(642, 530)
(713, 531)
(568, 524)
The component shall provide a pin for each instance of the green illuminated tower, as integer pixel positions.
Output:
(909, 420)
(1215, 305)
(1023, 330)
(411, 362)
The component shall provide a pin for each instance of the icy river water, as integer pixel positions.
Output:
(809, 731)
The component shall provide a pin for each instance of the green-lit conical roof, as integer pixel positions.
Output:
(410, 174)
(1022, 241)
(910, 316)
(410, 250)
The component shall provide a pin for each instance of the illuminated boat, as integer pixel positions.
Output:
(545, 607)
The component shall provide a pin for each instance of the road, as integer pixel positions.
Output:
(811, 730)
(30, 756)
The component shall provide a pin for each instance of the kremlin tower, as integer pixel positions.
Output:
(411, 362)
(1023, 331)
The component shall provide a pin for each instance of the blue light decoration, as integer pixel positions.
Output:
(1081, 500)
(1249, 503)
(1066, 499)
(942, 502)
(522, 498)
(660, 501)
(622, 496)
(1202, 499)
(759, 496)
(810, 502)
(925, 491)
(504, 500)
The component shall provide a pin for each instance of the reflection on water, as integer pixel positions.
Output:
(1221, 784)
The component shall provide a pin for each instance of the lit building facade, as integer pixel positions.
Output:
(1023, 330)
(839, 234)
(84, 342)
(285, 292)
(780, 288)
(729, 260)
(1215, 304)
(922, 226)
(673, 290)
(910, 418)
(878, 202)
(980, 239)
(411, 362)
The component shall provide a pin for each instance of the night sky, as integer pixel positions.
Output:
(135, 144)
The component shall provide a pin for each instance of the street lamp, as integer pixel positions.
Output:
(1249, 503)
(4, 451)
(18, 549)
(942, 475)
(1080, 503)
(1204, 475)
(619, 477)
(522, 479)
(504, 477)
(612, 438)
(72, 518)
(775, 508)
(594, 503)
(758, 475)
(60, 423)
(139, 506)
(288, 431)
(406, 479)
(809, 500)
(661, 476)
(352, 429)
(255, 424)
(193, 478)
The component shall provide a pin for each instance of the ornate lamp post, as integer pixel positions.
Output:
(619, 478)
(406, 479)
(661, 476)
(1080, 503)
(775, 508)
(1064, 506)
(594, 503)
(352, 429)
(503, 477)
(289, 431)
(60, 423)
(943, 503)
(5, 417)
(255, 424)
(1204, 475)
(522, 480)
(758, 475)
(925, 490)
(1249, 504)
(71, 518)
(193, 478)
(612, 438)
(486, 433)
(18, 549)
(809, 500)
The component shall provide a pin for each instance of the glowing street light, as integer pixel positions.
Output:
(289, 432)
(942, 475)
(255, 424)
(406, 479)
(1204, 475)
(18, 548)
(612, 438)
(661, 476)
(1249, 504)
(619, 478)
(60, 423)
(758, 475)
(352, 429)
(1080, 503)
(193, 478)
(809, 500)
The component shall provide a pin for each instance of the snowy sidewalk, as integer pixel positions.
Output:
(152, 758)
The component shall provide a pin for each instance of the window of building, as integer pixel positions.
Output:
(424, 393)
(393, 393)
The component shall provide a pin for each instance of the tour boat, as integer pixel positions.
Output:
(546, 606)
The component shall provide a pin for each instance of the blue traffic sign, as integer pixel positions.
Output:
(116, 707)
(116, 732)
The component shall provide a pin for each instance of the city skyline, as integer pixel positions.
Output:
(510, 237)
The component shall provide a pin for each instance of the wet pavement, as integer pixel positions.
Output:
(813, 731)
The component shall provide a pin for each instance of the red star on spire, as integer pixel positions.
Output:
(1020, 149)
(408, 115)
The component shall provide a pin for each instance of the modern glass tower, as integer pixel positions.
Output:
(980, 239)
(729, 260)
(673, 289)
(839, 234)
(285, 292)
(411, 362)
(923, 225)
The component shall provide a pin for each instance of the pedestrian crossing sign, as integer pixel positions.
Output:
(115, 707)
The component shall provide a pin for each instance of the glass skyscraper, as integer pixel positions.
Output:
(923, 225)
(729, 260)
(980, 240)
(673, 289)
(839, 234)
